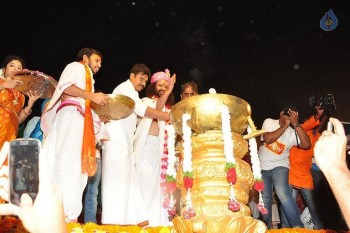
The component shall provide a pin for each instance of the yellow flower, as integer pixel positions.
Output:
(77, 230)
(164, 230)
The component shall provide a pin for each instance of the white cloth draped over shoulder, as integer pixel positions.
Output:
(148, 151)
(122, 201)
(62, 145)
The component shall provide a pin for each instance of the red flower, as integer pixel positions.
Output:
(188, 182)
(172, 211)
(190, 213)
(171, 187)
(259, 186)
(262, 209)
(231, 175)
(233, 206)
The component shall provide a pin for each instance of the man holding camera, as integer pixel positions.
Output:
(300, 176)
(281, 135)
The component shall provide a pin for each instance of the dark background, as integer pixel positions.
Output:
(271, 53)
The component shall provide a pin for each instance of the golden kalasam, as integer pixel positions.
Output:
(205, 111)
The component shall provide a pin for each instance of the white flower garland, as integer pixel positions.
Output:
(254, 156)
(227, 135)
(187, 144)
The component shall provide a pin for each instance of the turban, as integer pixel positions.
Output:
(161, 76)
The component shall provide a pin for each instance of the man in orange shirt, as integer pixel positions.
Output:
(300, 166)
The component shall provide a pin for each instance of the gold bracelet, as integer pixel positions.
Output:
(25, 111)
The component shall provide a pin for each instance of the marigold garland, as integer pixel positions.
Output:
(17, 227)
(94, 228)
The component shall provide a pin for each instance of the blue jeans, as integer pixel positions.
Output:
(308, 195)
(90, 205)
(318, 179)
(277, 179)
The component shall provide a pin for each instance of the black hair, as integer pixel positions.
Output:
(191, 84)
(12, 57)
(88, 52)
(140, 68)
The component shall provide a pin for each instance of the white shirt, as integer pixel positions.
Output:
(277, 153)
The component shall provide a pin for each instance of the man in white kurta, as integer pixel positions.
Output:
(63, 126)
(122, 201)
(149, 151)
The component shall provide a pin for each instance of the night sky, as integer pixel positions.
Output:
(271, 53)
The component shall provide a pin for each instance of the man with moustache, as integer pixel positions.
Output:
(150, 147)
(71, 130)
(121, 196)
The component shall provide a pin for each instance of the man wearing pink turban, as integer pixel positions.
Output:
(150, 149)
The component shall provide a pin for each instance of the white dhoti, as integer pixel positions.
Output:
(63, 147)
(148, 170)
(63, 126)
(122, 201)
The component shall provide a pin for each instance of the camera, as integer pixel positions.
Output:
(326, 102)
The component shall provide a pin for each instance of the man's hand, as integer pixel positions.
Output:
(330, 148)
(171, 84)
(293, 117)
(99, 98)
(105, 118)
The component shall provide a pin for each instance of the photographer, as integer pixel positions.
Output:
(300, 176)
(281, 134)
(326, 103)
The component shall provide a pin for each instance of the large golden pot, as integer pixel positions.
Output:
(211, 191)
(206, 115)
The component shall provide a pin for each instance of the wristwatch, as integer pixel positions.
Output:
(296, 125)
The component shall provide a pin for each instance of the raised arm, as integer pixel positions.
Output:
(304, 138)
(163, 99)
(330, 155)
(270, 137)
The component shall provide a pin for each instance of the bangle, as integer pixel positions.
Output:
(296, 125)
(27, 112)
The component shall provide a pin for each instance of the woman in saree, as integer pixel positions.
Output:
(12, 110)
